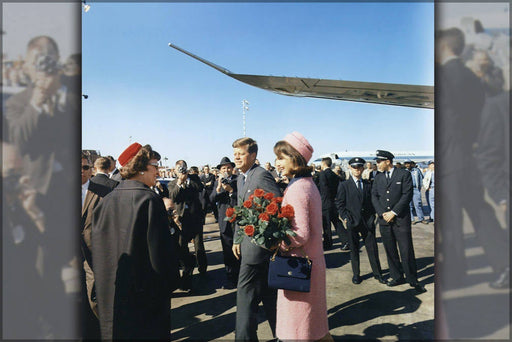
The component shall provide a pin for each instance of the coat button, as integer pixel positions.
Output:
(289, 273)
(387, 192)
(389, 208)
(387, 199)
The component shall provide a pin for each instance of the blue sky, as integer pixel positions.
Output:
(140, 87)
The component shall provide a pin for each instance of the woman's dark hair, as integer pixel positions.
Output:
(300, 166)
(140, 162)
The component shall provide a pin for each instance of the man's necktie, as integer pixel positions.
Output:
(387, 176)
(360, 185)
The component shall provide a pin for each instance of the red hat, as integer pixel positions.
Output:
(129, 153)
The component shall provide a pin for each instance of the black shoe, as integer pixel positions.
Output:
(414, 222)
(418, 287)
(356, 279)
(380, 279)
(425, 221)
(503, 280)
(395, 282)
(345, 247)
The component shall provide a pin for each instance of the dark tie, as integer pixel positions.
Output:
(387, 176)
(360, 185)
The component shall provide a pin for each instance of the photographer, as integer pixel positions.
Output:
(225, 195)
(184, 191)
(41, 121)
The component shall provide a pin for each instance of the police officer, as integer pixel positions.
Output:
(391, 195)
(354, 204)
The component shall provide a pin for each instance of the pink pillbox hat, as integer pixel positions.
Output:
(300, 143)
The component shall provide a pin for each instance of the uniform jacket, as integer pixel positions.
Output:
(354, 206)
(224, 200)
(328, 184)
(257, 178)
(395, 195)
(134, 263)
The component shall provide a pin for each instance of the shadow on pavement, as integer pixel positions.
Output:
(368, 307)
(336, 259)
(187, 317)
(412, 332)
(465, 324)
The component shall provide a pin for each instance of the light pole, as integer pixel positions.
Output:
(245, 107)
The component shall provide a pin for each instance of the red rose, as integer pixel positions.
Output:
(230, 212)
(233, 219)
(248, 204)
(264, 217)
(277, 199)
(251, 197)
(259, 193)
(249, 230)
(272, 208)
(268, 196)
(287, 211)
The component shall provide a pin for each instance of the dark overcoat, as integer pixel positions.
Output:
(134, 263)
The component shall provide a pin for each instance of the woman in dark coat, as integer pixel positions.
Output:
(133, 255)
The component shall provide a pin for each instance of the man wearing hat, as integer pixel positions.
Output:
(417, 181)
(354, 204)
(391, 195)
(224, 193)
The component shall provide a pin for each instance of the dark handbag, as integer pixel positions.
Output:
(289, 273)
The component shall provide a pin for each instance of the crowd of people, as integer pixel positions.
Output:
(163, 209)
(136, 227)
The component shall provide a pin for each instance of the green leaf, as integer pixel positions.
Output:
(238, 239)
(260, 240)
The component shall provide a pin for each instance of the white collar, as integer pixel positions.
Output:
(85, 186)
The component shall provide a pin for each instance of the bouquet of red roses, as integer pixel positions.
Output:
(263, 219)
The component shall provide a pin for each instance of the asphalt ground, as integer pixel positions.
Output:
(368, 311)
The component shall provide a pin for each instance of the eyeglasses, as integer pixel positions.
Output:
(86, 167)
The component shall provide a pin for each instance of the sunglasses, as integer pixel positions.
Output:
(86, 167)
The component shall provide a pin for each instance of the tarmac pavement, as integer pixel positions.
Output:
(368, 311)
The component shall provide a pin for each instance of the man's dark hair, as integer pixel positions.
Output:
(327, 161)
(453, 37)
(253, 146)
(102, 163)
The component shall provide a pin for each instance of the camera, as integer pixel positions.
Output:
(224, 178)
(47, 64)
(182, 168)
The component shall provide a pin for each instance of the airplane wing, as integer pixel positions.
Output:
(370, 92)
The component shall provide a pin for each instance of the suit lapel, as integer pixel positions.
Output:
(87, 201)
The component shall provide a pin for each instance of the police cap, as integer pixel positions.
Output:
(384, 155)
(356, 161)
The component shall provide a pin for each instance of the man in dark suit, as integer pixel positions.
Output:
(102, 165)
(328, 184)
(225, 195)
(208, 179)
(354, 204)
(184, 192)
(459, 101)
(113, 172)
(92, 193)
(252, 281)
(391, 195)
